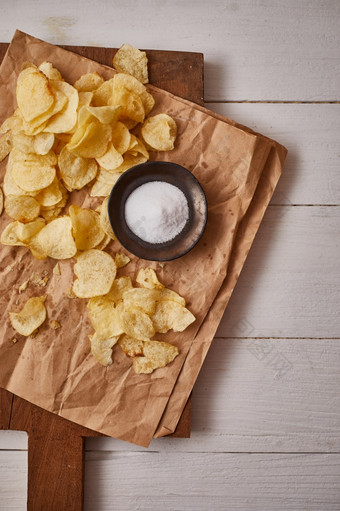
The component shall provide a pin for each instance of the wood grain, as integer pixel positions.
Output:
(59, 484)
(254, 49)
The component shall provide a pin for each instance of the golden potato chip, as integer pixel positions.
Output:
(86, 228)
(121, 260)
(76, 172)
(34, 93)
(85, 99)
(123, 80)
(38, 124)
(120, 137)
(90, 141)
(65, 120)
(131, 103)
(50, 214)
(13, 123)
(49, 71)
(88, 82)
(147, 277)
(156, 354)
(135, 322)
(101, 349)
(104, 243)
(32, 172)
(5, 145)
(55, 239)
(105, 222)
(20, 234)
(159, 132)
(171, 315)
(131, 347)
(119, 287)
(31, 316)
(100, 189)
(111, 159)
(103, 95)
(169, 294)
(10, 187)
(1, 201)
(129, 161)
(51, 195)
(96, 271)
(104, 317)
(22, 208)
(129, 59)
(143, 298)
(137, 147)
(43, 143)
(109, 177)
(103, 114)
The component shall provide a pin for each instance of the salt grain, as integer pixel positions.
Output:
(156, 211)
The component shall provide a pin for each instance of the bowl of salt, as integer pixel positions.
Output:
(158, 210)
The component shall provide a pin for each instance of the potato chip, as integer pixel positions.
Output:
(159, 132)
(103, 95)
(51, 195)
(49, 71)
(111, 159)
(90, 141)
(85, 99)
(156, 354)
(129, 161)
(96, 271)
(31, 316)
(88, 82)
(50, 214)
(144, 299)
(32, 172)
(13, 123)
(171, 315)
(119, 287)
(137, 147)
(131, 347)
(39, 124)
(169, 294)
(135, 322)
(120, 137)
(147, 277)
(5, 145)
(123, 80)
(55, 240)
(34, 93)
(22, 208)
(1, 201)
(101, 349)
(103, 114)
(129, 59)
(20, 234)
(86, 228)
(10, 187)
(105, 222)
(109, 177)
(104, 243)
(104, 317)
(121, 260)
(64, 121)
(43, 143)
(100, 189)
(76, 172)
(131, 103)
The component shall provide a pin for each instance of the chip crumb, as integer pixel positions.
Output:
(34, 334)
(39, 281)
(70, 293)
(56, 270)
(23, 286)
(54, 324)
(121, 260)
(45, 273)
(14, 340)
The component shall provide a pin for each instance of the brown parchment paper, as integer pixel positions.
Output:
(55, 370)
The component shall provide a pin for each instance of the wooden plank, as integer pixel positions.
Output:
(311, 133)
(238, 482)
(289, 286)
(254, 50)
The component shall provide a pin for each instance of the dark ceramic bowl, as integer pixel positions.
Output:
(175, 175)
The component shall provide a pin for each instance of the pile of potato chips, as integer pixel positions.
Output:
(62, 138)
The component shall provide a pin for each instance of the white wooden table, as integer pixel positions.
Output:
(266, 406)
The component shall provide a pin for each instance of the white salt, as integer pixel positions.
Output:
(156, 211)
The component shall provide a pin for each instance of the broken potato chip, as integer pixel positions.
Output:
(159, 132)
(31, 316)
(129, 59)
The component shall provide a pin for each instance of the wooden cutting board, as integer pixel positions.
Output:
(55, 445)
